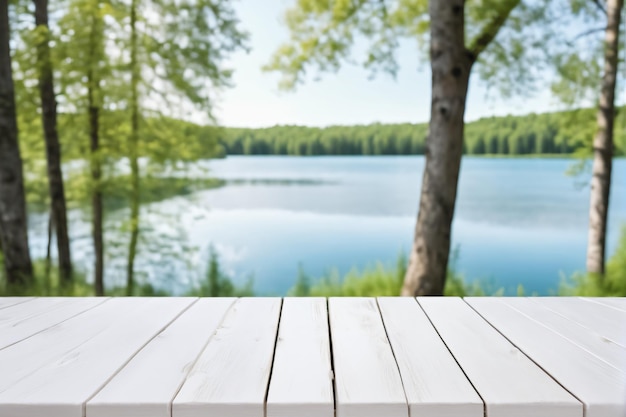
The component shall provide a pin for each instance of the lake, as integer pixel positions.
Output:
(517, 221)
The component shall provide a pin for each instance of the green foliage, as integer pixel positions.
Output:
(218, 284)
(380, 281)
(46, 283)
(559, 133)
(613, 284)
(155, 188)
(302, 287)
(324, 34)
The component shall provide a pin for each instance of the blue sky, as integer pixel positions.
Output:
(347, 97)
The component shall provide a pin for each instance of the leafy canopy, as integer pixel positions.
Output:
(324, 33)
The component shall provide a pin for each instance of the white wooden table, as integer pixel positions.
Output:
(312, 357)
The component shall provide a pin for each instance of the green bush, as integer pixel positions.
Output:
(380, 281)
(613, 284)
(218, 284)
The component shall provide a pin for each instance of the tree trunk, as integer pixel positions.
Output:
(603, 144)
(93, 89)
(451, 64)
(133, 153)
(96, 193)
(53, 147)
(47, 284)
(13, 222)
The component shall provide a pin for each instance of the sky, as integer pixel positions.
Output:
(344, 98)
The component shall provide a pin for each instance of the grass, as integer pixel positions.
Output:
(382, 281)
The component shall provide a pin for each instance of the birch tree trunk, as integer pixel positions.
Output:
(450, 64)
(13, 224)
(53, 147)
(603, 144)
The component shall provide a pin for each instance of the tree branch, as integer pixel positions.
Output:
(599, 5)
(490, 30)
(588, 32)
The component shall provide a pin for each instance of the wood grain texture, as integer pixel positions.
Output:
(367, 380)
(35, 307)
(27, 319)
(606, 321)
(572, 366)
(231, 376)
(10, 301)
(302, 383)
(22, 359)
(510, 384)
(61, 387)
(434, 383)
(607, 350)
(615, 302)
(146, 386)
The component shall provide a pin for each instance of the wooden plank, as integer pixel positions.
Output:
(510, 384)
(367, 380)
(598, 385)
(302, 383)
(27, 319)
(608, 351)
(231, 375)
(21, 311)
(146, 386)
(22, 359)
(11, 301)
(434, 383)
(62, 387)
(615, 302)
(606, 321)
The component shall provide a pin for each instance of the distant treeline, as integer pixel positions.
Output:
(549, 133)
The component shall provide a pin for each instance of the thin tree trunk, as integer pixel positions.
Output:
(96, 193)
(603, 144)
(93, 89)
(133, 145)
(53, 147)
(13, 221)
(451, 64)
(48, 262)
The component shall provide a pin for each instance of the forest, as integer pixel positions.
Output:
(562, 133)
(103, 102)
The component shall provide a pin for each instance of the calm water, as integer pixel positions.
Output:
(518, 221)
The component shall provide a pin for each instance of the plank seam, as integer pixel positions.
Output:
(590, 300)
(171, 404)
(332, 360)
(530, 358)
(19, 302)
(56, 324)
(585, 325)
(393, 353)
(453, 357)
(561, 335)
(269, 378)
(117, 371)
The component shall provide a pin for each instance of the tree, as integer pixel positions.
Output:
(133, 143)
(589, 59)
(603, 143)
(322, 33)
(13, 225)
(53, 147)
(176, 55)
(93, 95)
(83, 65)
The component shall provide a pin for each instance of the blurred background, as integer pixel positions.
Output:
(312, 147)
